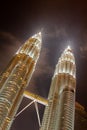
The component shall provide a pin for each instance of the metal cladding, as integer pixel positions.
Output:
(59, 114)
(15, 79)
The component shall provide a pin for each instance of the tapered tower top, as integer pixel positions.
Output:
(67, 55)
(66, 63)
(32, 46)
(36, 37)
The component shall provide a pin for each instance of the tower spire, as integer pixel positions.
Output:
(68, 48)
(38, 36)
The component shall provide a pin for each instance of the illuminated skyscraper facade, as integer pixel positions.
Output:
(59, 114)
(15, 79)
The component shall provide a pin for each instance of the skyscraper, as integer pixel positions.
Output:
(15, 79)
(59, 114)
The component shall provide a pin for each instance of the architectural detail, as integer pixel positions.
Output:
(59, 114)
(36, 97)
(15, 79)
(80, 117)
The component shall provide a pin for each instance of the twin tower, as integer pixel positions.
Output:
(59, 113)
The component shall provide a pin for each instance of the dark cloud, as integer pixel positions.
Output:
(8, 46)
(43, 71)
(83, 46)
(83, 50)
(8, 38)
(55, 31)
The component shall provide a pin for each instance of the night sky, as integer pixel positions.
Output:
(62, 24)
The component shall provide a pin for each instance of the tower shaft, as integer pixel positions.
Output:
(59, 114)
(16, 78)
(47, 118)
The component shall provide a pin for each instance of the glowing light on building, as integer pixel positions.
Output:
(59, 114)
(15, 79)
